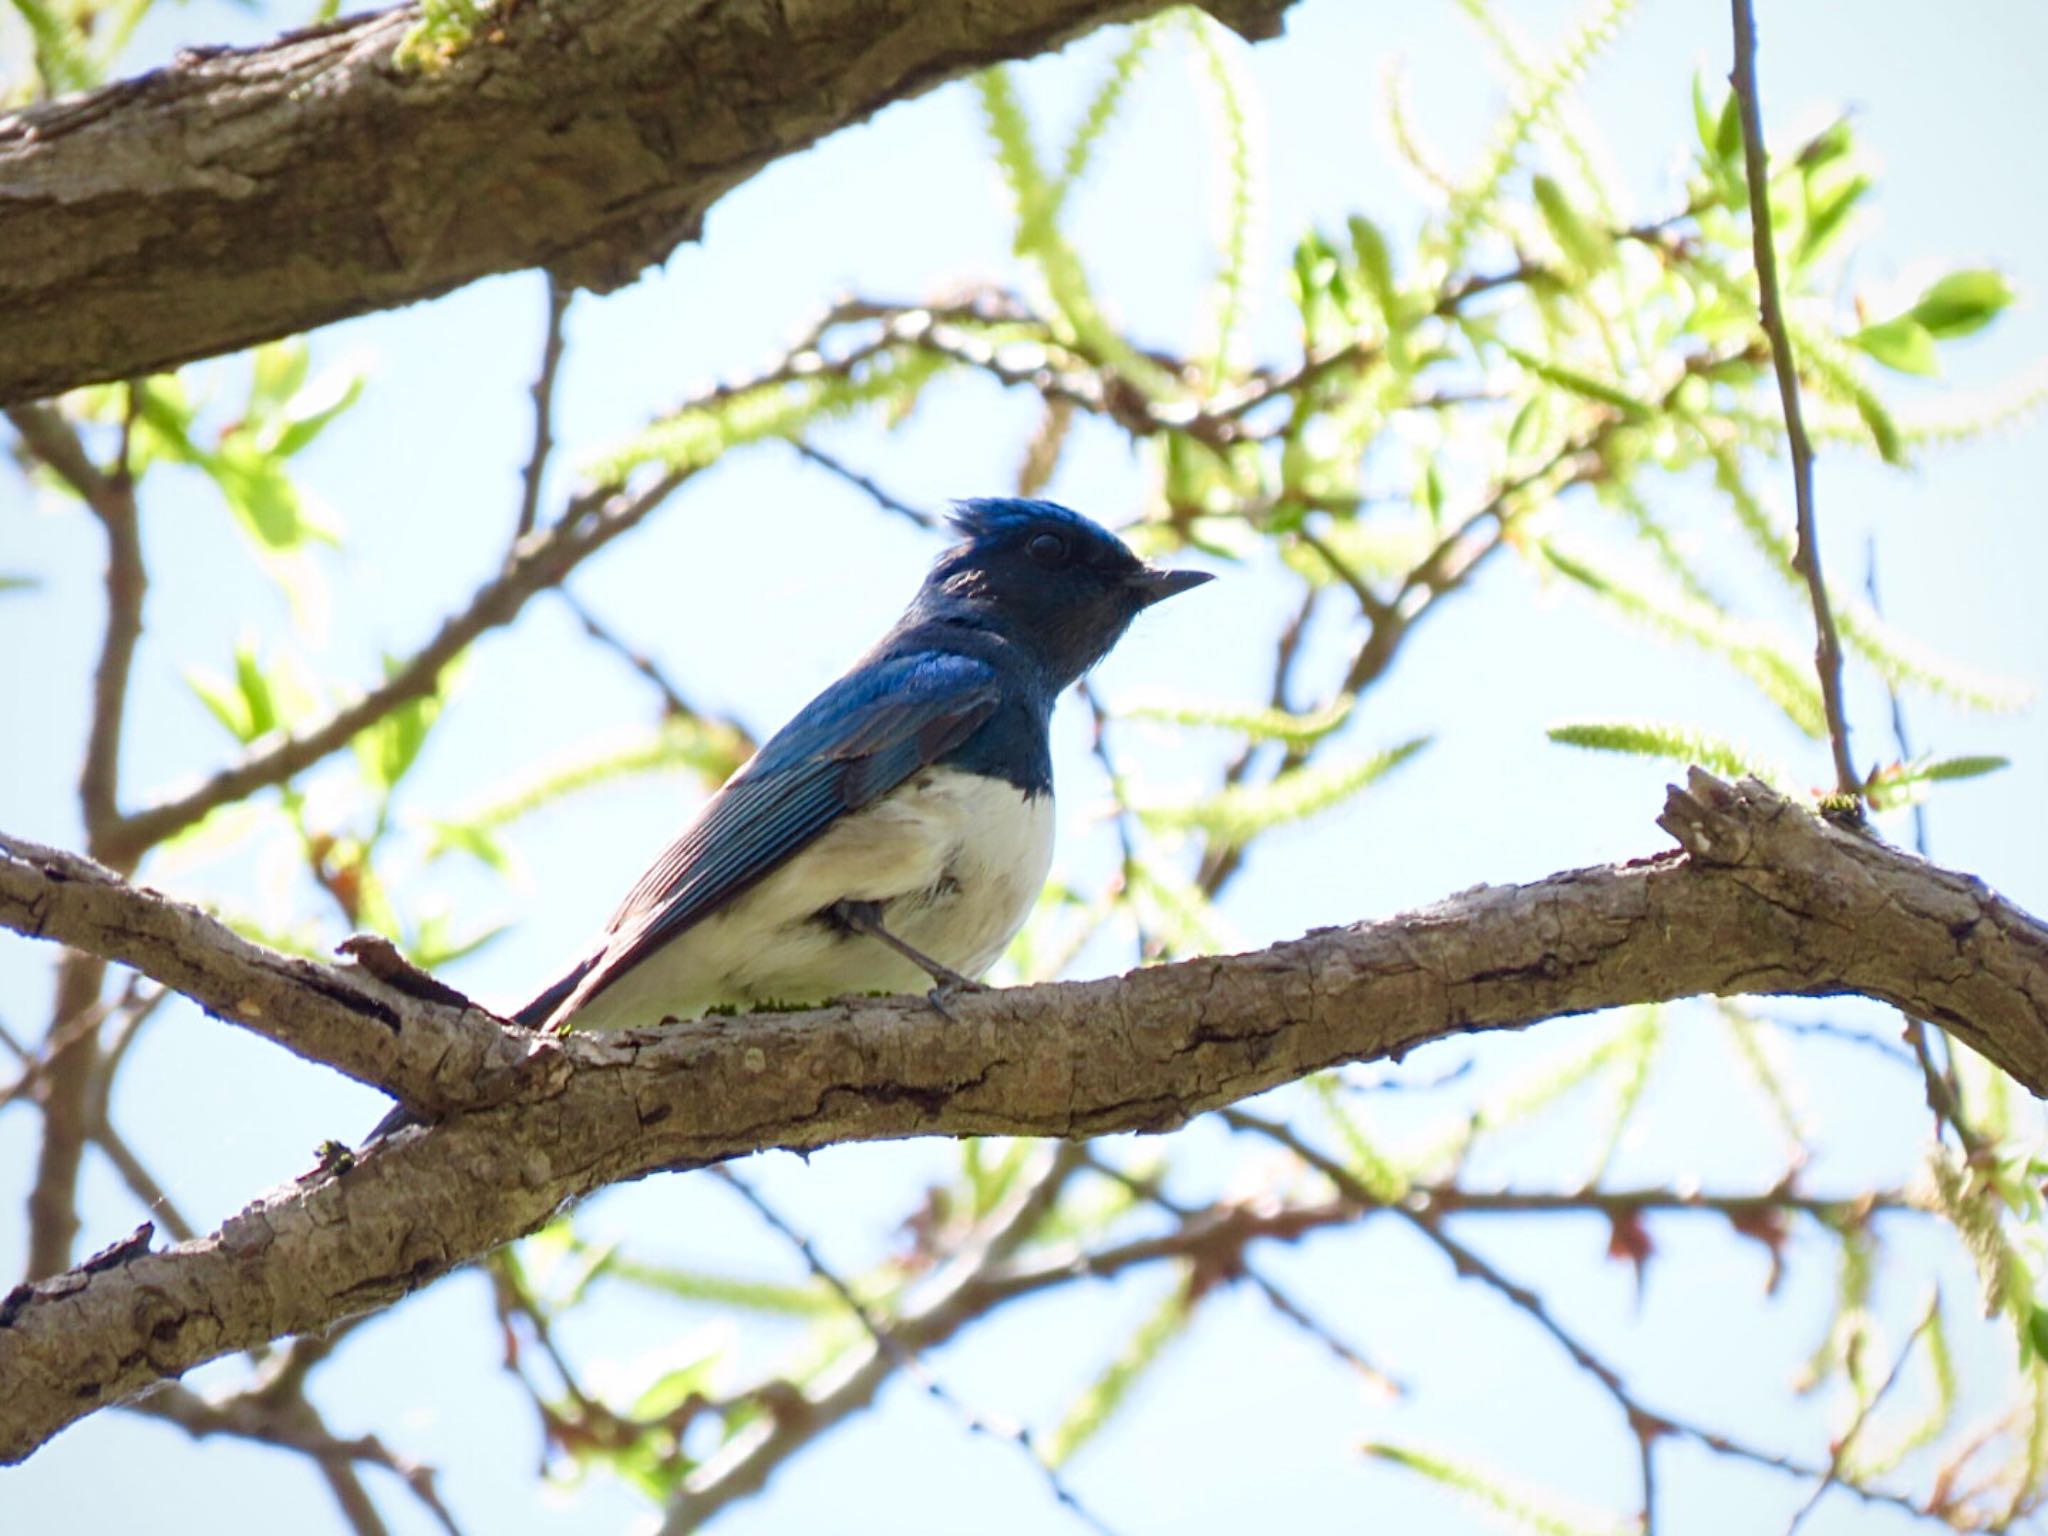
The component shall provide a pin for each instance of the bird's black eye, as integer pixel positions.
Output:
(1047, 549)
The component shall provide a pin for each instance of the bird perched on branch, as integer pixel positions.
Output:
(900, 827)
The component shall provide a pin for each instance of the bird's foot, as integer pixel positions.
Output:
(866, 917)
(942, 995)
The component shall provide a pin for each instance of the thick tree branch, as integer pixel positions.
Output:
(1764, 898)
(249, 193)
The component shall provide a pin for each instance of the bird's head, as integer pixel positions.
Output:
(1047, 579)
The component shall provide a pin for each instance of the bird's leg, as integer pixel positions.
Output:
(866, 917)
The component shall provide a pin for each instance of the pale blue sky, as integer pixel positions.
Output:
(760, 584)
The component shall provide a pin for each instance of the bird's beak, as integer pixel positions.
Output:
(1153, 585)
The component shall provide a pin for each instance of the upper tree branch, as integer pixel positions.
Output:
(243, 194)
(1765, 898)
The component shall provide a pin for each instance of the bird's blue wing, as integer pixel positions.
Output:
(851, 745)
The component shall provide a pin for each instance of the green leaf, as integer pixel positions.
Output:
(1108, 1392)
(1963, 767)
(12, 583)
(460, 837)
(1258, 724)
(1827, 213)
(672, 1388)
(1179, 913)
(1382, 1177)
(1962, 303)
(2037, 1331)
(1531, 422)
(703, 431)
(1582, 384)
(1903, 345)
(1586, 247)
(391, 746)
(1883, 430)
(313, 410)
(433, 943)
(279, 373)
(1234, 816)
(62, 58)
(260, 494)
(1541, 90)
(163, 423)
(1751, 650)
(1376, 265)
(1727, 146)
(259, 699)
(1703, 116)
(1643, 738)
(710, 749)
(1523, 1510)
(1103, 106)
(1225, 71)
(1906, 783)
(769, 1297)
(223, 701)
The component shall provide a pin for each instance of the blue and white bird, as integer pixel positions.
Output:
(901, 826)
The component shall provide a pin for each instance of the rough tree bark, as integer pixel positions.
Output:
(1763, 898)
(244, 194)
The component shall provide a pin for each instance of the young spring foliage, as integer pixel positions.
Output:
(1521, 369)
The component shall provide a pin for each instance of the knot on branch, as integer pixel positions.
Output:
(1716, 822)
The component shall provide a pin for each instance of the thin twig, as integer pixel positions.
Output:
(629, 653)
(289, 1421)
(1840, 1456)
(66, 1078)
(559, 294)
(1287, 1222)
(1645, 1425)
(1828, 648)
(543, 561)
(1127, 848)
(962, 1290)
(141, 1183)
(1846, 1034)
(1944, 1091)
(1375, 609)
(908, 1360)
(865, 484)
(1900, 739)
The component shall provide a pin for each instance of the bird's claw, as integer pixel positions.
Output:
(941, 996)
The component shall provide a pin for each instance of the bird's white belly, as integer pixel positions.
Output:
(955, 862)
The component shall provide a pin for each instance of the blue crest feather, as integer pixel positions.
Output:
(991, 517)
